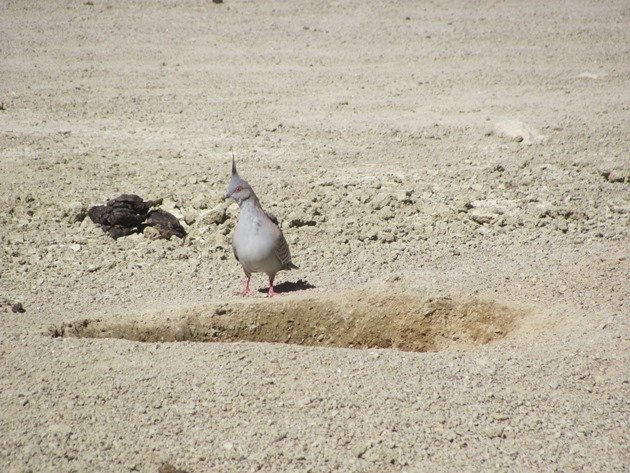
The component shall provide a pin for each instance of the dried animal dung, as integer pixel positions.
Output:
(129, 213)
(134, 202)
(165, 223)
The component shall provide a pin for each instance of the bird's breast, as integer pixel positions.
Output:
(256, 224)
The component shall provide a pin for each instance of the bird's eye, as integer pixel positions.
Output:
(239, 189)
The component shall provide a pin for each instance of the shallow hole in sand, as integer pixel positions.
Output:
(357, 320)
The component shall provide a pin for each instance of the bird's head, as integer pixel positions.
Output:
(238, 188)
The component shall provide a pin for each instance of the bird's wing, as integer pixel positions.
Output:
(272, 217)
(283, 253)
(234, 251)
(281, 249)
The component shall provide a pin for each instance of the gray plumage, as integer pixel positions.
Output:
(258, 242)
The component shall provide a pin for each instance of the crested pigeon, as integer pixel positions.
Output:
(258, 242)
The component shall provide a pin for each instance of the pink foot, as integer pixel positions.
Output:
(245, 291)
(271, 292)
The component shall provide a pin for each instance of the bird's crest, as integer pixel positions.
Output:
(234, 173)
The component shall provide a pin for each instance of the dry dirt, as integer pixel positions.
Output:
(453, 179)
(356, 320)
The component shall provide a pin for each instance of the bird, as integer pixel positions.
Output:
(258, 242)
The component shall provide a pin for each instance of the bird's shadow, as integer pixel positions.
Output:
(288, 286)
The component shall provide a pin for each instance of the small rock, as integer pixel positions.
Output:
(75, 247)
(221, 241)
(381, 200)
(617, 175)
(215, 216)
(75, 211)
(305, 402)
(199, 202)
(404, 196)
(464, 205)
(18, 308)
(151, 233)
(135, 239)
(189, 217)
(428, 311)
(386, 214)
(562, 225)
(380, 454)
(482, 216)
(517, 131)
(169, 468)
(387, 236)
(31, 449)
(494, 431)
(301, 222)
(360, 449)
(554, 383)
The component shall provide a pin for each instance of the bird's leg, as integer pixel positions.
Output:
(246, 291)
(271, 292)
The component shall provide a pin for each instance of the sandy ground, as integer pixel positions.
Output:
(459, 167)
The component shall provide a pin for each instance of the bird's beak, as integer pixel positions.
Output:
(226, 196)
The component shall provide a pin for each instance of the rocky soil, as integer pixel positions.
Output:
(452, 180)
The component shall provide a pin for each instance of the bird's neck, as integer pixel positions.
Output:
(249, 204)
